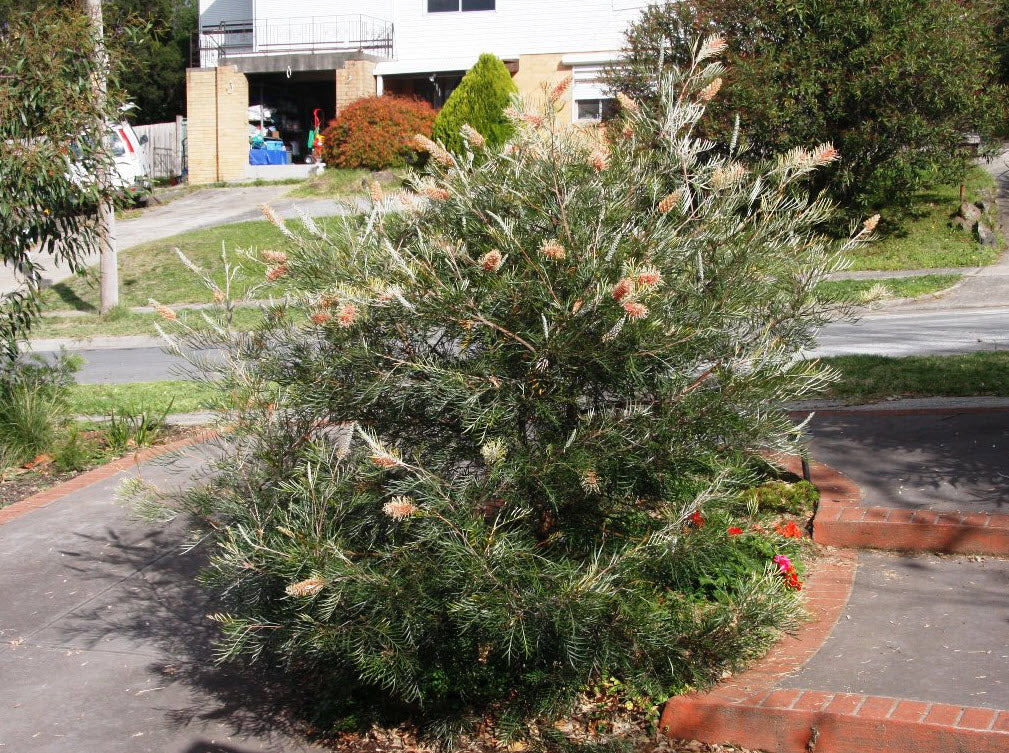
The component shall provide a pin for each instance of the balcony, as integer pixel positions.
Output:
(305, 35)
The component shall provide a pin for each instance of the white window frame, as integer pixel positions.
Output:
(587, 84)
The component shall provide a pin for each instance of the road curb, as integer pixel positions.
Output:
(53, 494)
(752, 711)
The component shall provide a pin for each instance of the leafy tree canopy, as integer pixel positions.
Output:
(155, 58)
(52, 134)
(150, 39)
(894, 85)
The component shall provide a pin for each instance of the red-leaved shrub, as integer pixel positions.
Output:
(377, 132)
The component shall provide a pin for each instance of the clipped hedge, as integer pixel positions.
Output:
(377, 132)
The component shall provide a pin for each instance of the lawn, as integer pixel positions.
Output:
(121, 321)
(869, 378)
(153, 270)
(152, 397)
(921, 237)
(894, 287)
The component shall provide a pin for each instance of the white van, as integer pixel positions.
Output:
(131, 175)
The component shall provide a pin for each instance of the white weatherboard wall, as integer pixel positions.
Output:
(427, 42)
(213, 12)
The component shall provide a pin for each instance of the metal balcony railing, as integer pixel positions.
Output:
(357, 33)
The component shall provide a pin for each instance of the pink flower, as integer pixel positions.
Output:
(635, 310)
(621, 289)
(347, 314)
(784, 564)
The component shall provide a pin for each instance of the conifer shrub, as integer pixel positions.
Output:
(503, 459)
(377, 133)
(479, 101)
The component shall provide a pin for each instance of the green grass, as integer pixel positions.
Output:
(868, 378)
(154, 397)
(153, 270)
(123, 322)
(895, 287)
(921, 238)
(336, 181)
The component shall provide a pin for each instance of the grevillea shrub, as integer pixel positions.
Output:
(491, 449)
(377, 132)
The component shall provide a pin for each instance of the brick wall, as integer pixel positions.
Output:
(535, 71)
(232, 123)
(201, 127)
(217, 101)
(354, 81)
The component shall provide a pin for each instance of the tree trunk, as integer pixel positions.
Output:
(109, 266)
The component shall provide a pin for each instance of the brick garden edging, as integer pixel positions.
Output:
(842, 521)
(750, 710)
(101, 473)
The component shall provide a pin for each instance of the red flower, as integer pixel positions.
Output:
(789, 530)
(735, 531)
(696, 520)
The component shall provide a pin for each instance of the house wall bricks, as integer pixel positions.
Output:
(535, 71)
(354, 81)
(217, 101)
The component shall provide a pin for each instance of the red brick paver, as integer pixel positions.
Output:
(750, 711)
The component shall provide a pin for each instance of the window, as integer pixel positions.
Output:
(592, 100)
(454, 6)
(595, 109)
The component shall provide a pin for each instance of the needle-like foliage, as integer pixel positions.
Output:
(467, 483)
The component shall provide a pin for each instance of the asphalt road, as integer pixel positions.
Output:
(117, 366)
(925, 333)
(933, 333)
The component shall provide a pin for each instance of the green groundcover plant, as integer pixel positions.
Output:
(504, 458)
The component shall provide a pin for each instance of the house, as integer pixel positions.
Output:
(278, 59)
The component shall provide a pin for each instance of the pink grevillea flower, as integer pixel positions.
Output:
(635, 310)
(784, 564)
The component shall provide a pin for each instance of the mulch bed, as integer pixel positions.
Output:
(40, 474)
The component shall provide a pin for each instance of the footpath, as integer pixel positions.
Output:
(907, 648)
(105, 643)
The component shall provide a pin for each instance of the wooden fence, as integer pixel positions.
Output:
(164, 153)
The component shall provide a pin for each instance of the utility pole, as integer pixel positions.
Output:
(109, 264)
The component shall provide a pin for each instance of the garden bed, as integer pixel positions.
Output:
(42, 473)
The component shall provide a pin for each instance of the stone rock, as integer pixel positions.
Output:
(985, 206)
(384, 176)
(969, 212)
(986, 235)
(962, 223)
